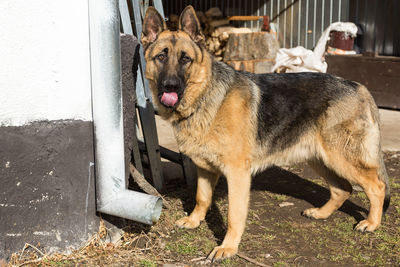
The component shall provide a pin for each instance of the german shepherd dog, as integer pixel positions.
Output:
(236, 124)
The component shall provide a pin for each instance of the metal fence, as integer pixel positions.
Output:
(299, 22)
(380, 22)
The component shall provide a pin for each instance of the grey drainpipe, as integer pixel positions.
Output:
(112, 194)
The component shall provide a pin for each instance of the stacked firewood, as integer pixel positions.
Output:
(217, 40)
(215, 27)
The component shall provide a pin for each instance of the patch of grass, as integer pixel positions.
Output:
(184, 249)
(394, 185)
(253, 218)
(58, 262)
(318, 181)
(228, 262)
(279, 263)
(336, 258)
(274, 196)
(280, 197)
(287, 226)
(184, 246)
(176, 215)
(268, 237)
(147, 263)
(395, 202)
(346, 245)
(206, 244)
(361, 195)
(287, 254)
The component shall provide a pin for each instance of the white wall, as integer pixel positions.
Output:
(44, 61)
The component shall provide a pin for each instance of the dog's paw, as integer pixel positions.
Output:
(366, 226)
(187, 222)
(221, 252)
(313, 213)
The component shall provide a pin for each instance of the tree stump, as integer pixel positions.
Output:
(253, 52)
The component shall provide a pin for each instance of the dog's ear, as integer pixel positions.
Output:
(189, 23)
(153, 25)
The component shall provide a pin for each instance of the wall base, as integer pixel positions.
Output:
(47, 188)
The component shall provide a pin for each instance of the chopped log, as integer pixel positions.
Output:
(217, 43)
(219, 36)
(248, 46)
(218, 52)
(214, 12)
(223, 37)
(229, 29)
(213, 45)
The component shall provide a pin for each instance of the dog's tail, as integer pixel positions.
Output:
(383, 176)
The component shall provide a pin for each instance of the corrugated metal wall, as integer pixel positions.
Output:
(380, 22)
(299, 22)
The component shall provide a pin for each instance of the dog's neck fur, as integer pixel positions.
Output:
(207, 104)
(185, 120)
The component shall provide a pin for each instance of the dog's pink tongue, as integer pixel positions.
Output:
(169, 99)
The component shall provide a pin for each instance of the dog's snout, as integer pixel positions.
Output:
(171, 83)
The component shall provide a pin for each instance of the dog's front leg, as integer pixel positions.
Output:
(206, 182)
(238, 196)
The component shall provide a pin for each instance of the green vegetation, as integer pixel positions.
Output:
(147, 263)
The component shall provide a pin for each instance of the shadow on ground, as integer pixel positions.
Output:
(278, 181)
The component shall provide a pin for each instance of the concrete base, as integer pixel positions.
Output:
(390, 129)
(47, 191)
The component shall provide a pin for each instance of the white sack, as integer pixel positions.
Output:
(300, 59)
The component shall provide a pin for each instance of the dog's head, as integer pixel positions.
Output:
(175, 59)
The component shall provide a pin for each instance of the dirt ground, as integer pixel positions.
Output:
(276, 233)
(274, 236)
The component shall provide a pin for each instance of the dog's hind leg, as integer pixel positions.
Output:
(374, 188)
(355, 171)
(340, 190)
(206, 182)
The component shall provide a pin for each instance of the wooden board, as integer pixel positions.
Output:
(246, 18)
(381, 75)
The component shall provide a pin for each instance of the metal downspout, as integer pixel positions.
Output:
(112, 195)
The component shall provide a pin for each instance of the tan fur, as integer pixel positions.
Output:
(217, 129)
(199, 74)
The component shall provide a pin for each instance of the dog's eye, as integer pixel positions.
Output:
(185, 59)
(161, 57)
